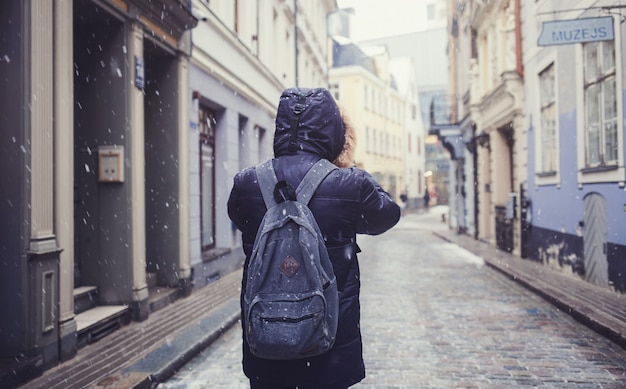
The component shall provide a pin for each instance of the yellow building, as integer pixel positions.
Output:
(361, 81)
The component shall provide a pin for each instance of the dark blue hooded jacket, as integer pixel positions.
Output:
(348, 202)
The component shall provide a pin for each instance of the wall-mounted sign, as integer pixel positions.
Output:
(139, 73)
(565, 32)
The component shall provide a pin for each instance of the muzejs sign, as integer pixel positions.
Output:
(565, 32)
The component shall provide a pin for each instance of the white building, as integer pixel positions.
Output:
(243, 56)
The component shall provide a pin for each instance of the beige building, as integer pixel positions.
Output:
(496, 101)
(414, 157)
(362, 83)
(487, 102)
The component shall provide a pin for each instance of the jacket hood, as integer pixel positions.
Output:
(308, 121)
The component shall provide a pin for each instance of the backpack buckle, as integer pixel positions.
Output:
(298, 108)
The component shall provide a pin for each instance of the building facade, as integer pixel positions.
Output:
(541, 112)
(236, 78)
(97, 87)
(486, 136)
(575, 124)
(124, 122)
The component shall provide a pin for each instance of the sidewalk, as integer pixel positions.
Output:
(596, 307)
(141, 355)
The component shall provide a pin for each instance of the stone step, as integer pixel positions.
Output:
(97, 322)
(159, 297)
(85, 298)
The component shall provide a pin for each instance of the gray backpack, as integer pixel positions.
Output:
(291, 303)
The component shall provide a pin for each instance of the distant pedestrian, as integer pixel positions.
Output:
(426, 198)
(348, 202)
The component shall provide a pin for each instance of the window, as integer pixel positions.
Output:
(548, 120)
(600, 94)
(365, 96)
(430, 11)
(261, 136)
(207, 123)
(244, 147)
(334, 90)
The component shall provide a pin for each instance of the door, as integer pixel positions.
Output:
(594, 239)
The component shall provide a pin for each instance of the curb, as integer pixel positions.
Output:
(162, 363)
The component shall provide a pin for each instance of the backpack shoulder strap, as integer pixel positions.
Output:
(266, 176)
(313, 179)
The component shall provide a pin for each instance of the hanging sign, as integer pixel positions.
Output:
(565, 32)
(139, 73)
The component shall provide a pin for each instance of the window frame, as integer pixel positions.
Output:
(602, 172)
(543, 177)
(548, 104)
(207, 138)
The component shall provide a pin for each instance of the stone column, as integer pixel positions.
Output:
(184, 255)
(43, 253)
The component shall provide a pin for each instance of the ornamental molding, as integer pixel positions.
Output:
(503, 103)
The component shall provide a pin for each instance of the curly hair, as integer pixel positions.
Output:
(346, 157)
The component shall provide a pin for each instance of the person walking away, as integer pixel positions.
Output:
(347, 202)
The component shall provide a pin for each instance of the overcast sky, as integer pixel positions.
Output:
(382, 18)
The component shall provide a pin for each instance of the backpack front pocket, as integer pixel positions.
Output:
(288, 326)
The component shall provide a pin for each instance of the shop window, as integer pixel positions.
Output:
(208, 124)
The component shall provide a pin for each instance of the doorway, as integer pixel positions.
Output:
(594, 239)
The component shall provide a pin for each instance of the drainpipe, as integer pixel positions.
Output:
(295, 34)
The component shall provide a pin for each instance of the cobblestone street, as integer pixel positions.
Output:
(433, 316)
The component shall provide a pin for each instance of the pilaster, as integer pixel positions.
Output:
(137, 176)
(43, 254)
(64, 172)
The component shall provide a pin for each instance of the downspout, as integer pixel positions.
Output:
(518, 39)
(295, 35)
(475, 177)
(257, 28)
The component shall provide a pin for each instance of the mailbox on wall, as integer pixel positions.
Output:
(111, 163)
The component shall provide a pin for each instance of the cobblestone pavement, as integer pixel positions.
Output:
(434, 317)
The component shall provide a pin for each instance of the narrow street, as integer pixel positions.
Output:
(433, 316)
